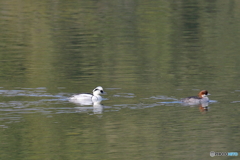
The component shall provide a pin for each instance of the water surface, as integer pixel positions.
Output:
(146, 56)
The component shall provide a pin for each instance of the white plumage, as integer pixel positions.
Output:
(87, 98)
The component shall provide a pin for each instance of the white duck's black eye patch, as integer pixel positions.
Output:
(101, 91)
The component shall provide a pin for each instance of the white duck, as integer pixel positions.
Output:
(87, 97)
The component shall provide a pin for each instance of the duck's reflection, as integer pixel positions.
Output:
(96, 106)
(203, 107)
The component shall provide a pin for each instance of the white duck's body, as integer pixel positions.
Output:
(88, 98)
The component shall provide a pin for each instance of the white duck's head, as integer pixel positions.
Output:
(97, 91)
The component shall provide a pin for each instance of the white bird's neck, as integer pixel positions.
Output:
(96, 97)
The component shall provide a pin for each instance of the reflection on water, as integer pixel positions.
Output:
(119, 115)
(97, 108)
(203, 108)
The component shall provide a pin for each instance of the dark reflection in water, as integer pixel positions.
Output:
(147, 54)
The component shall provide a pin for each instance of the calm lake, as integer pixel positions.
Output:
(147, 55)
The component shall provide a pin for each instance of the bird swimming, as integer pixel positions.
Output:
(95, 96)
(201, 98)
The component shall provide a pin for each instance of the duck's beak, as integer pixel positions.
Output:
(102, 92)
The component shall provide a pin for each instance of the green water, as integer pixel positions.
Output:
(145, 54)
